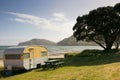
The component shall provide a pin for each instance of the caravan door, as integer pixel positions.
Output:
(26, 61)
(31, 60)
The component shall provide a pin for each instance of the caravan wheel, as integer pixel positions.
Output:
(38, 66)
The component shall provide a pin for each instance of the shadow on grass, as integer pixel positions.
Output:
(3, 74)
(92, 57)
(43, 70)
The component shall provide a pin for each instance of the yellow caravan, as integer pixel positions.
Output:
(25, 57)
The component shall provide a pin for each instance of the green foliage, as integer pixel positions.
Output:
(88, 53)
(96, 53)
(92, 53)
(100, 25)
(93, 57)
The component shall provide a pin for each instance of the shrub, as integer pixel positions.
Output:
(88, 53)
(70, 55)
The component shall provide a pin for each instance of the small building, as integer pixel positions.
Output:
(25, 57)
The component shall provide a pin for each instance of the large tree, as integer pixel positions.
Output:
(101, 25)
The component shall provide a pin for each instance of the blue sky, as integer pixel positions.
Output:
(22, 20)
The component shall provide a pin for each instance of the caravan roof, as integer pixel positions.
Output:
(18, 49)
(14, 50)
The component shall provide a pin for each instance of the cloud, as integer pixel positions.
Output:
(58, 22)
(59, 17)
(25, 16)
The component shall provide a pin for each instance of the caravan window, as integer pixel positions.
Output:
(26, 55)
(12, 56)
(44, 53)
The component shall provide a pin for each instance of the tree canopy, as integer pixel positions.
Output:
(101, 25)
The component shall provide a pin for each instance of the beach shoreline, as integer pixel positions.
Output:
(60, 55)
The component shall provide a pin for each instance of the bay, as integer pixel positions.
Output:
(59, 49)
(66, 49)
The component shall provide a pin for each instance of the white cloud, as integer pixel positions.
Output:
(59, 17)
(25, 16)
(21, 20)
(58, 22)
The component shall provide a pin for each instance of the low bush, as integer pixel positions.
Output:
(92, 53)
(88, 53)
(68, 55)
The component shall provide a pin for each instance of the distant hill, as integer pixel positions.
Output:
(71, 41)
(37, 42)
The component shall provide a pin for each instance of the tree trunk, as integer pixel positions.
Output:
(116, 44)
(108, 48)
(109, 45)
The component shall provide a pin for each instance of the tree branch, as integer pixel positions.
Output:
(98, 43)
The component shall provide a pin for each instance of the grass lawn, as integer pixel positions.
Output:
(98, 67)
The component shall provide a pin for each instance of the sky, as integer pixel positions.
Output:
(22, 20)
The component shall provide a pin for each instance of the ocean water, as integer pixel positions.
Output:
(59, 49)
(66, 49)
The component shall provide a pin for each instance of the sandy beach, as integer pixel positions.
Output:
(56, 56)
